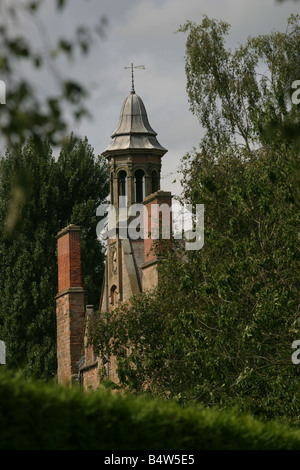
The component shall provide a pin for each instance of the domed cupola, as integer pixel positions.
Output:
(134, 155)
(134, 131)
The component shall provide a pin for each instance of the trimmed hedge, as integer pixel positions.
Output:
(35, 416)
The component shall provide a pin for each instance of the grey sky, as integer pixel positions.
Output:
(143, 32)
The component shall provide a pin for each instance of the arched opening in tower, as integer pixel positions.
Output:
(113, 295)
(122, 188)
(139, 186)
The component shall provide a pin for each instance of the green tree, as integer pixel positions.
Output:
(37, 199)
(244, 96)
(219, 327)
(240, 95)
(29, 198)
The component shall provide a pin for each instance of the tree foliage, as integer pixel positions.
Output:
(38, 197)
(37, 416)
(240, 95)
(29, 112)
(220, 325)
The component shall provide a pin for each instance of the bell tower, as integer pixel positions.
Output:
(134, 155)
(134, 159)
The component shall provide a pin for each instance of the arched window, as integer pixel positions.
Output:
(122, 188)
(154, 181)
(113, 295)
(139, 186)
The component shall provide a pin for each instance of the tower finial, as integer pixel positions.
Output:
(132, 75)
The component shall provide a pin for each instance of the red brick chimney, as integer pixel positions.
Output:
(70, 304)
(157, 226)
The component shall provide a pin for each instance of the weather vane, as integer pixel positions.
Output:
(132, 76)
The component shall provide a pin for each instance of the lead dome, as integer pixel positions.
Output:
(134, 130)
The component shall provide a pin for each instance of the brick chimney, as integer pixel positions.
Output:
(157, 226)
(70, 304)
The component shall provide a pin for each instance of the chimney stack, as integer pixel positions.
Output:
(157, 227)
(70, 304)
